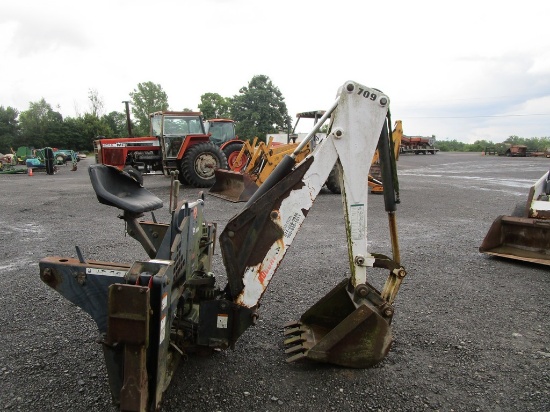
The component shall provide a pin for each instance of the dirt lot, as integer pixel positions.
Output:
(469, 330)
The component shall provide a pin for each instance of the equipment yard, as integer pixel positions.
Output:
(471, 332)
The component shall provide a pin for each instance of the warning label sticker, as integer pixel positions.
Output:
(222, 321)
(105, 272)
(357, 221)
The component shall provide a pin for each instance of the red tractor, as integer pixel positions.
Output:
(222, 134)
(177, 141)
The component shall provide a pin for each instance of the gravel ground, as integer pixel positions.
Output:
(469, 330)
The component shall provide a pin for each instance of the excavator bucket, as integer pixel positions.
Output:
(233, 186)
(342, 329)
(519, 238)
(525, 235)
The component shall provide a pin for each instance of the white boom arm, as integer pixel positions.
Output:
(358, 116)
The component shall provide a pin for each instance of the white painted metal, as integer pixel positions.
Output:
(357, 121)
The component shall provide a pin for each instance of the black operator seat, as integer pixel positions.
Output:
(114, 187)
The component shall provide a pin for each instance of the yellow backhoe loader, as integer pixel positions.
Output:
(254, 164)
(258, 160)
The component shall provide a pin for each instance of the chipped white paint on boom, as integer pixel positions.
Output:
(256, 278)
(359, 120)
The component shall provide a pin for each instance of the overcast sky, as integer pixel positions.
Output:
(463, 70)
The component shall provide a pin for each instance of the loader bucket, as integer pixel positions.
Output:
(519, 238)
(233, 186)
(343, 329)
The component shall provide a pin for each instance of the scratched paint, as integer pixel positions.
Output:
(256, 278)
(292, 211)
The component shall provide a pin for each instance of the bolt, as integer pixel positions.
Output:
(338, 133)
(350, 87)
(362, 290)
(230, 233)
(383, 101)
(274, 215)
(81, 278)
(359, 260)
(401, 273)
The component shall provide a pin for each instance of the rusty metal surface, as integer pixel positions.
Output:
(128, 325)
(83, 284)
(519, 238)
(247, 238)
(342, 329)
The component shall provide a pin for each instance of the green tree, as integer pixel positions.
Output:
(214, 106)
(479, 146)
(451, 146)
(147, 98)
(41, 125)
(9, 128)
(259, 109)
(117, 123)
(82, 131)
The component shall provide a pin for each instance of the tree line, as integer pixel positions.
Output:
(535, 144)
(259, 108)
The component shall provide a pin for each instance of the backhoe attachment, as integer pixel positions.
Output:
(153, 312)
(350, 326)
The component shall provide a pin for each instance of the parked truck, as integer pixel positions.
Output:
(417, 145)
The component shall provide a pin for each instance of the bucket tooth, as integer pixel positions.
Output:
(297, 357)
(295, 349)
(295, 331)
(294, 340)
(292, 324)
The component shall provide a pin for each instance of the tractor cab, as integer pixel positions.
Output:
(172, 128)
(221, 130)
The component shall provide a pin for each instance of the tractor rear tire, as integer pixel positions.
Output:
(333, 181)
(134, 173)
(199, 164)
(231, 152)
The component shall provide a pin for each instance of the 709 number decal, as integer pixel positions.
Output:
(367, 94)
